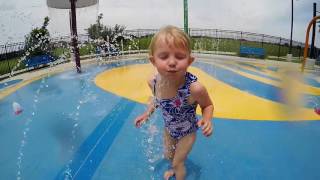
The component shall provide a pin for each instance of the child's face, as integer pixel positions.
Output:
(170, 61)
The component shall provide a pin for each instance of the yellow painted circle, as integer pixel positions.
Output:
(229, 102)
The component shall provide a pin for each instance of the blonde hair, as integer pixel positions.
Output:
(171, 35)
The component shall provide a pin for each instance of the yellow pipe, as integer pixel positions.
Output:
(306, 47)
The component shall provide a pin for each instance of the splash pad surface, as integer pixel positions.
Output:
(81, 126)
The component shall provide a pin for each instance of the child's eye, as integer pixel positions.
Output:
(163, 56)
(180, 56)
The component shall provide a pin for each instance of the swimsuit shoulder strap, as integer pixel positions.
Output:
(190, 78)
(154, 85)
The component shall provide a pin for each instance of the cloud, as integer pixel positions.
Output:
(142, 13)
(16, 23)
(7, 6)
(271, 17)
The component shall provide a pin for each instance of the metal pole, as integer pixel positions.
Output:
(74, 35)
(312, 55)
(139, 41)
(240, 37)
(185, 10)
(300, 52)
(6, 57)
(279, 48)
(217, 41)
(290, 48)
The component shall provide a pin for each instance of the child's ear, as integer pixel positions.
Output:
(191, 59)
(151, 59)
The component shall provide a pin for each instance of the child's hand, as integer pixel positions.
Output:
(206, 127)
(141, 119)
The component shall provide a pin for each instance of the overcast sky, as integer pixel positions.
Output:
(271, 17)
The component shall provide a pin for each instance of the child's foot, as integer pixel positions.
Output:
(168, 174)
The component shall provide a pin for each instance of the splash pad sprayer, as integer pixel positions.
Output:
(306, 46)
(72, 5)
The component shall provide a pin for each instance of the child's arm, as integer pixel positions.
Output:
(200, 95)
(150, 109)
(144, 116)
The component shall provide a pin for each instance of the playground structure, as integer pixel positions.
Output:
(306, 46)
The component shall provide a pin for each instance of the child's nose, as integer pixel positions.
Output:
(172, 62)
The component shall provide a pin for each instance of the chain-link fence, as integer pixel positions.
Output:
(213, 41)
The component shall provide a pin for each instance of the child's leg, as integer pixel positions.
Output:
(182, 150)
(169, 145)
(169, 148)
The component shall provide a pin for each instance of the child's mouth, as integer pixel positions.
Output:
(172, 71)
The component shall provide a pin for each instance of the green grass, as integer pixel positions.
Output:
(60, 51)
(8, 65)
(87, 49)
(137, 44)
(231, 45)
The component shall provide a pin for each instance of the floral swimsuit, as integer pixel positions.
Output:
(179, 116)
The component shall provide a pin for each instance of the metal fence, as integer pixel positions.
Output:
(223, 34)
(209, 40)
(276, 47)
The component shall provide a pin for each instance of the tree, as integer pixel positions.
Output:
(38, 41)
(95, 30)
(115, 34)
(112, 35)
